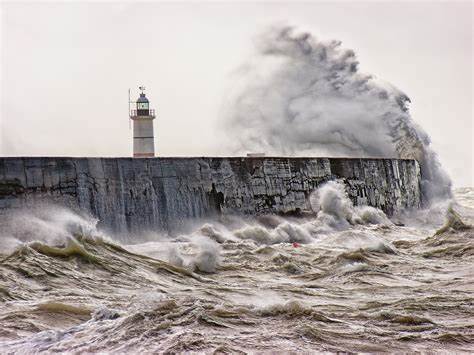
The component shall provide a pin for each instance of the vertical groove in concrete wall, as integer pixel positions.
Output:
(134, 194)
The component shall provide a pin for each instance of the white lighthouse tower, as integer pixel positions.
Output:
(143, 138)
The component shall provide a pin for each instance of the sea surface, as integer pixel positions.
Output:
(343, 278)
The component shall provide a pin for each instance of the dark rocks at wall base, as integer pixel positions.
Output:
(131, 195)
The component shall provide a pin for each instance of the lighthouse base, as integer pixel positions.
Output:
(143, 155)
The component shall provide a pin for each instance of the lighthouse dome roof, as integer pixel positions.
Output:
(142, 98)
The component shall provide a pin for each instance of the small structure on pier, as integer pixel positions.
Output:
(142, 117)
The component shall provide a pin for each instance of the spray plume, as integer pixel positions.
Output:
(302, 96)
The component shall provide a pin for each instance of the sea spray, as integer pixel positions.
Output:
(299, 95)
(334, 208)
(47, 222)
(48, 228)
(208, 257)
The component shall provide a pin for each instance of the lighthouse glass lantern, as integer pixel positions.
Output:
(143, 136)
(143, 106)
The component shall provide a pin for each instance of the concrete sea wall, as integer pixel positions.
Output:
(129, 195)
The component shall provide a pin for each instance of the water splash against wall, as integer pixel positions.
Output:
(302, 96)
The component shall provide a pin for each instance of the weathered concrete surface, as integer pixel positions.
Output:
(128, 195)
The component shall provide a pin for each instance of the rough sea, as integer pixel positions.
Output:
(342, 278)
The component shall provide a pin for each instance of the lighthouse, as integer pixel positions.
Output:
(143, 137)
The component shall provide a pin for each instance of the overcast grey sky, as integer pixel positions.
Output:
(66, 69)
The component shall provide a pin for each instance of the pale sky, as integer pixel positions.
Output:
(66, 69)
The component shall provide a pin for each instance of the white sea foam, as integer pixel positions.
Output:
(47, 223)
(335, 209)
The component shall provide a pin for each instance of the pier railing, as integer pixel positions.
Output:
(151, 112)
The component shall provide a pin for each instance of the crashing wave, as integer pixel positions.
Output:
(303, 96)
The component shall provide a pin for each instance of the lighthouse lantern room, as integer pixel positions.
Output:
(143, 137)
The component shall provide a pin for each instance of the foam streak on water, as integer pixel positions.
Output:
(344, 279)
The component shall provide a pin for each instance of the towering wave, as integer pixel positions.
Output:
(299, 95)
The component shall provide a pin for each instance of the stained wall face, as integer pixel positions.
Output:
(131, 195)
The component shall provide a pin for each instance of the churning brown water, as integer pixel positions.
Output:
(346, 279)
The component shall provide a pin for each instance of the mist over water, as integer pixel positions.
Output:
(299, 95)
(345, 278)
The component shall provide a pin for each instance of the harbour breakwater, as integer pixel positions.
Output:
(132, 195)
